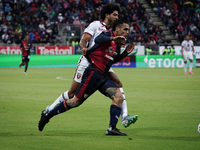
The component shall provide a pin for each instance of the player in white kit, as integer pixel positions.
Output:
(187, 49)
(109, 14)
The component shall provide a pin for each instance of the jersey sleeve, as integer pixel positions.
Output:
(103, 37)
(120, 57)
(92, 27)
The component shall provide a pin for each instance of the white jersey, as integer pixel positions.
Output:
(187, 50)
(94, 29)
(187, 46)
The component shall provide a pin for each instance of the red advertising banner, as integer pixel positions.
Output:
(55, 50)
(10, 50)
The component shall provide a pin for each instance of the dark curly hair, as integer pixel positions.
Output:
(118, 23)
(108, 9)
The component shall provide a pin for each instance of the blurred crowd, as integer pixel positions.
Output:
(182, 17)
(40, 19)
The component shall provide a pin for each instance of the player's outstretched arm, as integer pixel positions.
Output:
(127, 51)
(106, 37)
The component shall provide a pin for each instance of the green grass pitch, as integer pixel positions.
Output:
(166, 101)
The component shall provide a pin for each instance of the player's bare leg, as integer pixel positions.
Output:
(64, 96)
(185, 67)
(126, 119)
(21, 64)
(115, 110)
(191, 65)
(26, 67)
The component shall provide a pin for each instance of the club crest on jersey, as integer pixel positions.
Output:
(109, 50)
(79, 75)
(102, 29)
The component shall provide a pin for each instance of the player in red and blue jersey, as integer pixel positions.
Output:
(25, 48)
(104, 53)
(109, 13)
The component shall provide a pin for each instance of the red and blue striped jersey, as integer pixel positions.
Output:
(104, 52)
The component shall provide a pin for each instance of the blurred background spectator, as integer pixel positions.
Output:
(182, 17)
(55, 22)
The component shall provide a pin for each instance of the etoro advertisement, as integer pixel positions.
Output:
(159, 61)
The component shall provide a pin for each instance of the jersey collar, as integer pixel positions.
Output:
(103, 23)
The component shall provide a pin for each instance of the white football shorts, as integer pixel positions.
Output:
(82, 65)
(187, 55)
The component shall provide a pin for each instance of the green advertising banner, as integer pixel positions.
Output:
(160, 61)
(41, 61)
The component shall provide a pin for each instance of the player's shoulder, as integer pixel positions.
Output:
(183, 42)
(191, 41)
(95, 24)
(106, 32)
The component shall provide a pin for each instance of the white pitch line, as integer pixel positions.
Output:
(62, 78)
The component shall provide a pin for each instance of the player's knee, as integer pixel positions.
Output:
(119, 101)
(118, 98)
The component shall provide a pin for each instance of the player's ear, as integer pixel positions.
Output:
(117, 29)
(106, 15)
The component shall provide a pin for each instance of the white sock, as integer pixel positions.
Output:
(61, 98)
(124, 110)
(191, 65)
(185, 67)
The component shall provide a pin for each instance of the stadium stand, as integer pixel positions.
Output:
(180, 17)
(60, 22)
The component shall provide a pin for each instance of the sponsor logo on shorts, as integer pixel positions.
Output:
(85, 96)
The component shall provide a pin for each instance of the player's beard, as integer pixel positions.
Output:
(110, 20)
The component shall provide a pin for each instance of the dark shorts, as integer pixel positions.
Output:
(25, 58)
(93, 80)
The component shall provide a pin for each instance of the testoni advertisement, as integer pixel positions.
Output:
(128, 61)
(158, 61)
(178, 50)
(55, 50)
(10, 50)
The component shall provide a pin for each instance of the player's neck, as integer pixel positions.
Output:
(107, 23)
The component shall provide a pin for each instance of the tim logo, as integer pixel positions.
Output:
(109, 50)
(79, 75)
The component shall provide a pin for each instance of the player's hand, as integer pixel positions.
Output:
(120, 39)
(130, 47)
(84, 51)
(182, 55)
(194, 55)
